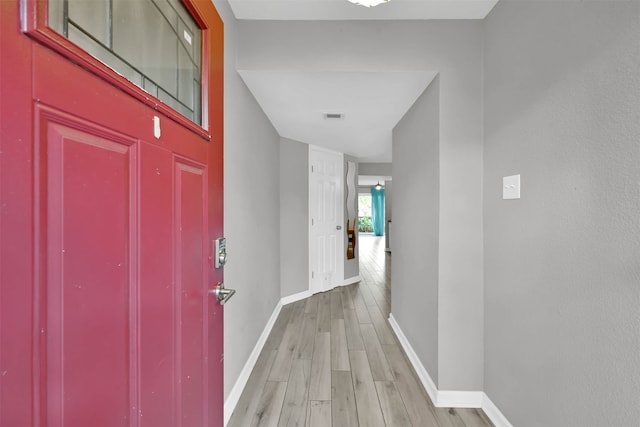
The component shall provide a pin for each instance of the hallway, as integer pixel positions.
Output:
(333, 360)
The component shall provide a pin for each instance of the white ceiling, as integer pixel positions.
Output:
(372, 102)
(315, 10)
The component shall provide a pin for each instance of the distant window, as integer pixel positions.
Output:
(364, 204)
(155, 44)
(365, 224)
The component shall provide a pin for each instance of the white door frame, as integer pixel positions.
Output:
(315, 285)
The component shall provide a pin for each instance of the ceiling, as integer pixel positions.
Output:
(316, 10)
(372, 102)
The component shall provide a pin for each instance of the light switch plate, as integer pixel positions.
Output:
(511, 187)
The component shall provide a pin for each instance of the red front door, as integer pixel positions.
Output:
(106, 234)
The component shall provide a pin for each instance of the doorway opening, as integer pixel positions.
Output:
(374, 258)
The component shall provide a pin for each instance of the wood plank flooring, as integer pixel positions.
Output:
(333, 360)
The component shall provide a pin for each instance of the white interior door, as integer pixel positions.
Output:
(326, 210)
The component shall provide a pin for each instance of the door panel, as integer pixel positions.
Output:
(326, 210)
(157, 289)
(191, 289)
(173, 298)
(87, 191)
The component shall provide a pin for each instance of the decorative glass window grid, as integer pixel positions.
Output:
(155, 44)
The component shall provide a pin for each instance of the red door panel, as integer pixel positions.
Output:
(173, 296)
(157, 290)
(191, 289)
(86, 192)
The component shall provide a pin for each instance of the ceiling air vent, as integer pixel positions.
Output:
(334, 116)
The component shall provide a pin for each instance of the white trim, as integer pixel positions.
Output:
(448, 398)
(295, 297)
(424, 376)
(494, 414)
(459, 399)
(349, 281)
(345, 282)
(234, 396)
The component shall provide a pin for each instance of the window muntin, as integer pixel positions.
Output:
(155, 44)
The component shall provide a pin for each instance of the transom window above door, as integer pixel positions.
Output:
(155, 44)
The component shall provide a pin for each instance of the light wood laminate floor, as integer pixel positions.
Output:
(333, 360)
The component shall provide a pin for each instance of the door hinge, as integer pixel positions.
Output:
(312, 275)
(312, 169)
(311, 221)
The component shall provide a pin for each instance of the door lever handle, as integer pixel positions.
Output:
(222, 294)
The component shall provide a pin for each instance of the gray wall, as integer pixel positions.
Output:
(414, 277)
(294, 217)
(251, 212)
(383, 169)
(562, 272)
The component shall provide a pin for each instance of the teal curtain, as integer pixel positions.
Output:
(377, 211)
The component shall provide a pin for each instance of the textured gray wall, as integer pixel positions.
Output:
(414, 276)
(251, 213)
(562, 272)
(294, 217)
(372, 169)
(454, 49)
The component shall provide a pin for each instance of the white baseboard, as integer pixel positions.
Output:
(231, 401)
(494, 414)
(345, 282)
(295, 297)
(448, 398)
(459, 399)
(423, 375)
(349, 281)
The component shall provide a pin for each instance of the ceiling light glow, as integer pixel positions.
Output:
(369, 3)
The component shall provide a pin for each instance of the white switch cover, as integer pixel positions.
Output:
(511, 187)
(156, 127)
